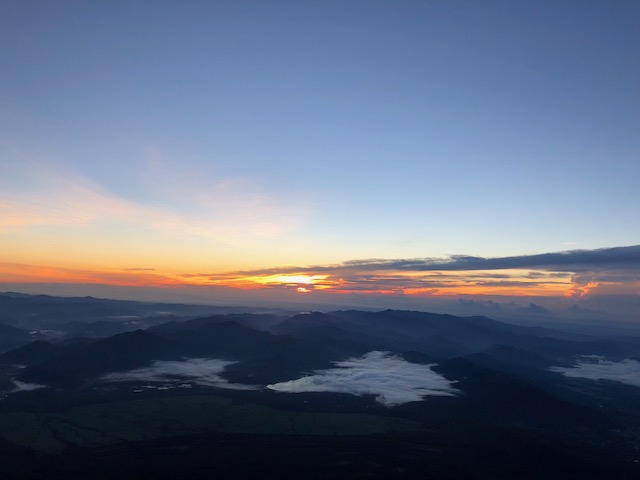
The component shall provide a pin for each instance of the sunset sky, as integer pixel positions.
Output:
(328, 151)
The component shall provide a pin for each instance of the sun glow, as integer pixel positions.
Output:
(292, 279)
(302, 283)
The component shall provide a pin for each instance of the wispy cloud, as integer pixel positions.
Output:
(34, 193)
(390, 378)
(227, 203)
(225, 209)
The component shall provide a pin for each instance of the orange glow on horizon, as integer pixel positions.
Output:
(436, 284)
(459, 290)
(17, 273)
(287, 279)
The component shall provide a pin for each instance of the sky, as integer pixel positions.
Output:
(361, 152)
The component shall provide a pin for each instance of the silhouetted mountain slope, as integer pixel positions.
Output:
(331, 333)
(517, 357)
(413, 328)
(285, 358)
(97, 329)
(120, 352)
(563, 351)
(503, 399)
(63, 309)
(441, 336)
(442, 347)
(8, 331)
(315, 341)
(510, 416)
(418, 357)
(265, 358)
(251, 320)
(12, 337)
(304, 321)
(30, 354)
(44, 311)
(220, 338)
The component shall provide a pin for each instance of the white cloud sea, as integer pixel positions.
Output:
(392, 379)
(201, 371)
(598, 368)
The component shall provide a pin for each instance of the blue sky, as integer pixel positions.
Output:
(239, 135)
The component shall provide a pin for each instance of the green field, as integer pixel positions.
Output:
(111, 423)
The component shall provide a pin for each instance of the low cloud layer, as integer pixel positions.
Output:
(201, 371)
(393, 380)
(25, 387)
(598, 368)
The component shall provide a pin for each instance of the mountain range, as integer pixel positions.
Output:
(495, 396)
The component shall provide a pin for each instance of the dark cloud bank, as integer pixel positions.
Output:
(618, 258)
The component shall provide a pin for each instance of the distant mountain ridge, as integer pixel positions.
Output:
(270, 348)
(463, 375)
